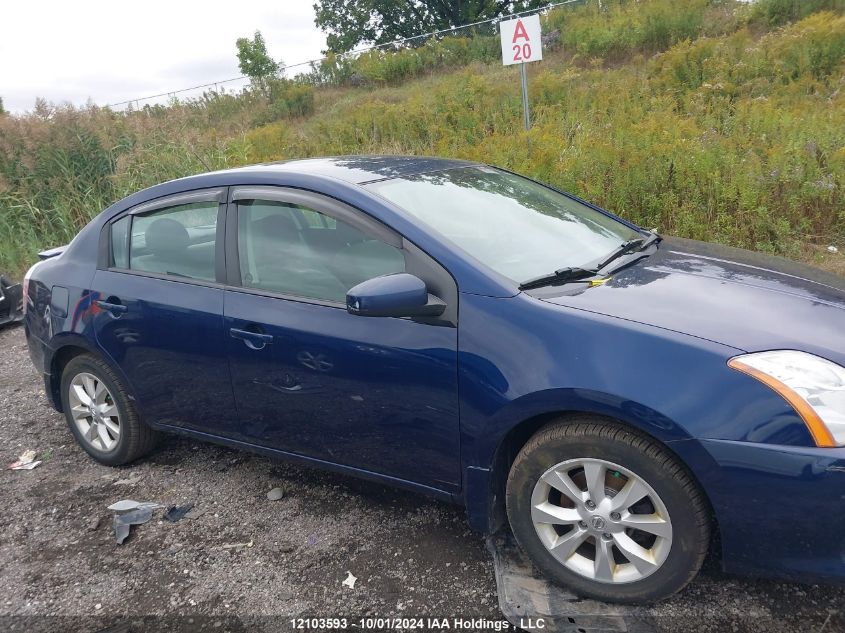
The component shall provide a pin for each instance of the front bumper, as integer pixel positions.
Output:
(780, 509)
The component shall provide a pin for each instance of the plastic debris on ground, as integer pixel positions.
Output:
(176, 513)
(275, 494)
(129, 513)
(122, 522)
(533, 603)
(26, 461)
(125, 505)
(832, 249)
(350, 580)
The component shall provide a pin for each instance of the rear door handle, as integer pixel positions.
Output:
(253, 340)
(115, 308)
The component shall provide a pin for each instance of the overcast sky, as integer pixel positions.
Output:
(110, 51)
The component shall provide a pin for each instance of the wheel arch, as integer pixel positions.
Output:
(512, 442)
(70, 347)
(58, 362)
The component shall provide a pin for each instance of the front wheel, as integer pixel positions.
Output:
(100, 414)
(607, 512)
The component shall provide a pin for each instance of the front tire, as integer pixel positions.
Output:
(100, 414)
(607, 512)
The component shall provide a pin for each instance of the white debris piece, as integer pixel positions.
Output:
(832, 249)
(26, 461)
(124, 505)
(350, 580)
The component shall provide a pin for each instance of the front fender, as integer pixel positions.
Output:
(524, 361)
(551, 402)
(521, 357)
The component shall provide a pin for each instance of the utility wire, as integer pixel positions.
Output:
(357, 51)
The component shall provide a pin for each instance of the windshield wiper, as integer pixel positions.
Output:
(561, 276)
(565, 275)
(635, 244)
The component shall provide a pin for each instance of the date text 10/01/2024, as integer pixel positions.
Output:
(423, 624)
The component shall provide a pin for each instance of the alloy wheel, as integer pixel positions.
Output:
(601, 520)
(94, 411)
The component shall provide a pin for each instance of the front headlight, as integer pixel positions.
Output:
(814, 386)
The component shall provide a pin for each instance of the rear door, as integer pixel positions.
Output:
(159, 303)
(378, 394)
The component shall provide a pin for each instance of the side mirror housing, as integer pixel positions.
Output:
(396, 295)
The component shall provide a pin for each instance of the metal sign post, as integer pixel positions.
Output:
(522, 43)
(524, 76)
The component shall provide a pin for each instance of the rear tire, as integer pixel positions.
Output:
(578, 536)
(102, 418)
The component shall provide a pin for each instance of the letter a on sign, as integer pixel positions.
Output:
(520, 32)
(521, 40)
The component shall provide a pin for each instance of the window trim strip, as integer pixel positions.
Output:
(217, 195)
(322, 204)
(192, 281)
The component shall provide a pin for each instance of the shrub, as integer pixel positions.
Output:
(777, 12)
(735, 132)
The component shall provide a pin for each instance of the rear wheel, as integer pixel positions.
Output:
(607, 512)
(100, 415)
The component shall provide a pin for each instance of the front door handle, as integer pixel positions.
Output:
(253, 340)
(115, 308)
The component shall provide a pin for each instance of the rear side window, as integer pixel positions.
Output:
(178, 241)
(298, 251)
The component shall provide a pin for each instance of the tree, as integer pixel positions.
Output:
(2, 109)
(254, 61)
(348, 23)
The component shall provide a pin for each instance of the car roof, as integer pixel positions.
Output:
(337, 177)
(358, 169)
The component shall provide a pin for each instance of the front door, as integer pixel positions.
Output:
(378, 394)
(159, 310)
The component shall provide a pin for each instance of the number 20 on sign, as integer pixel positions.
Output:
(521, 40)
(521, 43)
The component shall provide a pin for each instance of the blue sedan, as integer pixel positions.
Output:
(617, 398)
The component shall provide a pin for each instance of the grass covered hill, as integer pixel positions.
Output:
(709, 119)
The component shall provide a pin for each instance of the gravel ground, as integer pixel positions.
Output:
(247, 563)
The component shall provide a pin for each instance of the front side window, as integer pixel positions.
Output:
(297, 251)
(177, 241)
(514, 225)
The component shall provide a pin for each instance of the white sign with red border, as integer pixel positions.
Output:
(521, 40)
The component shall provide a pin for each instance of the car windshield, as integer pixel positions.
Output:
(516, 226)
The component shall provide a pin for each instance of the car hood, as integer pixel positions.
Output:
(746, 300)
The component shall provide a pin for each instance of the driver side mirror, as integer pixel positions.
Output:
(396, 295)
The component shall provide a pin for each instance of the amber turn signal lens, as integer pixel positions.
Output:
(818, 430)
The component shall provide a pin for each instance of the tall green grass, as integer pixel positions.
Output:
(723, 121)
(778, 12)
(736, 138)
